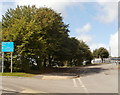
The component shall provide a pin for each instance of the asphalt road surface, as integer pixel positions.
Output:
(103, 80)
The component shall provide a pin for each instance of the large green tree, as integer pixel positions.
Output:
(85, 52)
(41, 39)
(101, 53)
(37, 33)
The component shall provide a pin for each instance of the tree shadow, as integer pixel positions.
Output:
(72, 71)
(90, 71)
(82, 71)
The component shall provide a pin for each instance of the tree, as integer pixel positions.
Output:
(36, 32)
(101, 53)
(96, 53)
(86, 52)
(41, 39)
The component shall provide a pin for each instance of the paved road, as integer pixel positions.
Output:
(103, 80)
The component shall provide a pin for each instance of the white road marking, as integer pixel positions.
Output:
(74, 82)
(83, 86)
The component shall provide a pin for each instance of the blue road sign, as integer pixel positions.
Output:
(7, 46)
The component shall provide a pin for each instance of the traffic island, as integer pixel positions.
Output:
(58, 77)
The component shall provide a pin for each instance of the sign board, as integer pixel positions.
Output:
(7, 46)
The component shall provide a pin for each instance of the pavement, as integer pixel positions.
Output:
(93, 79)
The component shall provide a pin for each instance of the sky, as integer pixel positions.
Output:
(96, 22)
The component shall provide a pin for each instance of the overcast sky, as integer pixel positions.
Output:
(96, 23)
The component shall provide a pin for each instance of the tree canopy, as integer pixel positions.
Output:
(41, 39)
(101, 53)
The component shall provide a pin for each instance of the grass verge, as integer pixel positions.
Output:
(17, 74)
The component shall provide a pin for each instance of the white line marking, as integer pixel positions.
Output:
(74, 82)
(82, 85)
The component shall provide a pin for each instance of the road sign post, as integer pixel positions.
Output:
(2, 62)
(7, 47)
(11, 62)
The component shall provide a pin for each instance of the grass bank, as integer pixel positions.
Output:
(17, 74)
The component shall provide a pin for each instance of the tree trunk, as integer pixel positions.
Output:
(44, 62)
(50, 61)
(102, 60)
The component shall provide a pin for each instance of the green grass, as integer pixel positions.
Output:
(17, 74)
